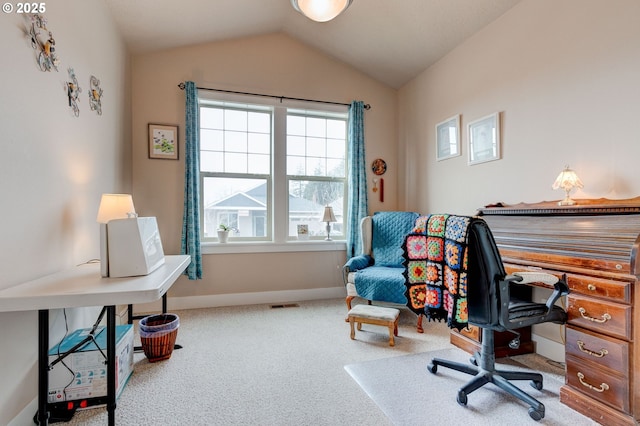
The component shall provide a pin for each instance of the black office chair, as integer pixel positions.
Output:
(492, 307)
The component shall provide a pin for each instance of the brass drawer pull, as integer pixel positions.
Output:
(599, 354)
(603, 387)
(605, 317)
(591, 287)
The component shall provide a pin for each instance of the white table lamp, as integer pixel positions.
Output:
(567, 180)
(112, 206)
(328, 217)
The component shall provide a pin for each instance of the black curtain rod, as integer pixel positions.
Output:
(182, 86)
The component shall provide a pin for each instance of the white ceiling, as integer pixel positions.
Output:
(389, 40)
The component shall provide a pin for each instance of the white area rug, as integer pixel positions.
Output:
(409, 394)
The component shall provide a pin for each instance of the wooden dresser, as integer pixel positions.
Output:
(595, 243)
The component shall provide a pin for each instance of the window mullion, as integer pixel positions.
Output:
(280, 183)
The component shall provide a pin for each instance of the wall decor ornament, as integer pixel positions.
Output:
(95, 95)
(163, 141)
(73, 92)
(43, 42)
(379, 167)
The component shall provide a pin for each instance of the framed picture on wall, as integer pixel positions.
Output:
(484, 139)
(448, 138)
(163, 141)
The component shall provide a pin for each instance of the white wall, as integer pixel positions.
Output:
(53, 169)
(563, 75)
(270, 64)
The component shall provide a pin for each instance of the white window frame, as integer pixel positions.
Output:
(277, 204)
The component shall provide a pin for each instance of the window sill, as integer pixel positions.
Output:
(269, 247)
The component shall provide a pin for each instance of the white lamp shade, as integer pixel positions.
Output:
(567, 180)
(328, 215)
(115, 206)
(321, 10)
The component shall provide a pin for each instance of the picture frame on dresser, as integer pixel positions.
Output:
(483, 137)
(448, 138)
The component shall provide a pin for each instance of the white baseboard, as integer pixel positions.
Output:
(549, 348)
(236, 299)
(25, 418)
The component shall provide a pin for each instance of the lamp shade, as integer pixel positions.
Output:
(115, 206)
(321, 10)
(567, 180)
(328, 215)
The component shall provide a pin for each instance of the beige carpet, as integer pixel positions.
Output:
(256, 365)
(410, 395)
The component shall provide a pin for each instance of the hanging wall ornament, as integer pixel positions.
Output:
(43, 42)
(95, 95)
(73, 92)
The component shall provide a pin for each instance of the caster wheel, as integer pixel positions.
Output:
(462, 398)
(433, 368)
(473, 361)
(536, 384)
(535, 414)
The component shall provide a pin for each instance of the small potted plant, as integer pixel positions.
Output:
(223, 232)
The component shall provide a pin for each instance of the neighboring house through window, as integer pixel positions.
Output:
(267, 167)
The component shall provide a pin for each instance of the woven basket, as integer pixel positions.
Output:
(158, 336)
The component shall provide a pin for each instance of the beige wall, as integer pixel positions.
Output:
(53, 169)
(563, 75)
(271, 64)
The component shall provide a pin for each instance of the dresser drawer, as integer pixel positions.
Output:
(608, 318)
(617, 291)
(585, 377)
(606, 351)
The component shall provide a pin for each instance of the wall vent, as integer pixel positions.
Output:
(286, 305)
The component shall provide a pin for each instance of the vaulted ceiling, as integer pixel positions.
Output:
(390, 40)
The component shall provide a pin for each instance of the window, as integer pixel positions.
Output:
(267, 168)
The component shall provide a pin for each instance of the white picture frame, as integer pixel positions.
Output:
(448, 138)
(483, 136)
(303, 232)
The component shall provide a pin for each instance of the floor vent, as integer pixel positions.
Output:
(288, 305)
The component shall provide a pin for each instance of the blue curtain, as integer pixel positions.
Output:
(357, 207)
(191, 215)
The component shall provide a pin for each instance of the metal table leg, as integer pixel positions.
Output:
(111, 364)
(43, 366)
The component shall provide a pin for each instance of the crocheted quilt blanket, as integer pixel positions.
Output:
(435, 261)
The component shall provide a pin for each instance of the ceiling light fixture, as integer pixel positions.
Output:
(321, 10)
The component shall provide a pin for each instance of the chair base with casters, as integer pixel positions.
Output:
(493, 307)
(484, 370)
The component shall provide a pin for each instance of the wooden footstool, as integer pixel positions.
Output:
(377, 315)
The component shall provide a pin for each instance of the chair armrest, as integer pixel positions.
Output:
(560, 286)
(355, 264)
(358, 262)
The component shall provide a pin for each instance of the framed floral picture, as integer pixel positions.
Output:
(163, 141)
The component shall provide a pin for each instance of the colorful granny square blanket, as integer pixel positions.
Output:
(435, 261)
